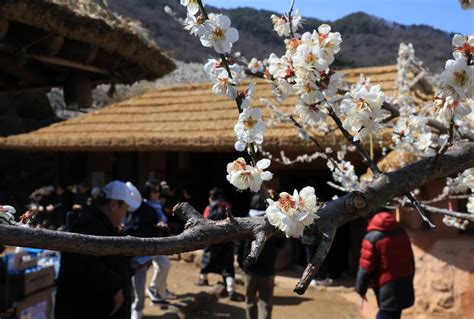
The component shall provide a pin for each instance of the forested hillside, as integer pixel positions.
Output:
(368, 40)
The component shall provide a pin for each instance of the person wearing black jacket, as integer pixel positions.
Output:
(97, 287)
(218, 258)
(259, 277)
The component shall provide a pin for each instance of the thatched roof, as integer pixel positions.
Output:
(177, 118)
(118, 44)
(394, 160)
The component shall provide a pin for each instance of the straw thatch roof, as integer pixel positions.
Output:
(394, 160)
(79, 34)
(177, 118)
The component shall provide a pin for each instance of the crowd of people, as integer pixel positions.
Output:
(115, 286)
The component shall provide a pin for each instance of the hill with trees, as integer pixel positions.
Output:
(367, 40)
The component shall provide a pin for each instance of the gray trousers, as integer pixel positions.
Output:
(161, 268)
(138, 282)
(258, 296)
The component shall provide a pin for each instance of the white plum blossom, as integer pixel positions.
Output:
(454, 100)
(448, 108)
(191, 5)
(308, 91)
(255, 66)
(249, 128)
(279, 67)
(243, 176)
(310, 113)
(462, 183)
(328, 41)
(223, 84)
(307, 200)
(455, 222)
(362, 109)
(218, 33)
(470, 204)
(214, 66)
(330, 88)
(247, 95)
(310, 56)
(458, 78)
(344, 173)
(291, 46)
(281, 89)
(281, 25)
(467, 178)
(463, 45)
(194, 25)
(292, 213)
(411, 132)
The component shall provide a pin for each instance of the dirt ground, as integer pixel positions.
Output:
(339, 302)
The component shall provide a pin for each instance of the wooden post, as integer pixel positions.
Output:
(50, 46)
(3, 28)
(78, 90)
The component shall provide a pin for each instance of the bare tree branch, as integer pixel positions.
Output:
(419, 208)
(438, 210)
(393, 109)
(198, 233)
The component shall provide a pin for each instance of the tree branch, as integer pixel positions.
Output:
(367, 159)
(438, 210)
(393, 109)
(200, 233)
(384, 187)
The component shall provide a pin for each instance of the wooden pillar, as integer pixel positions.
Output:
(50, 46)
(3, 28)
(78, 90)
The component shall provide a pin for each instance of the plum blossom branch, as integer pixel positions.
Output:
(438, 210)
(419, 209)
(371, 163)
(290, 18)
(367, 159)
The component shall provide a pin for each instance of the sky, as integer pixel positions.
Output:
(446, 15)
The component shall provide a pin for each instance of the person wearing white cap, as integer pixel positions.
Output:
(97, 287)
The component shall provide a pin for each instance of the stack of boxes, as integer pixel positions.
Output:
(26, 286)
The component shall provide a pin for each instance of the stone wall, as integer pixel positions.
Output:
(444, 279)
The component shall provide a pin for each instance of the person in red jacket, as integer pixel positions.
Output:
(387, 265)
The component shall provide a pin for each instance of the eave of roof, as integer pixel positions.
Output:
(92, 24)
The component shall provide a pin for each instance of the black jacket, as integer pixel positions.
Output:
(141, 222)
(265, 264)
(87, 284)
(218, 258)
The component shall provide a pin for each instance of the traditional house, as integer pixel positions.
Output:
(177, 133)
